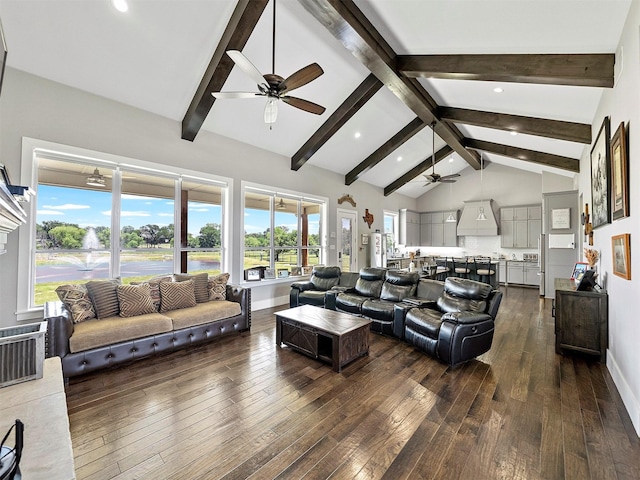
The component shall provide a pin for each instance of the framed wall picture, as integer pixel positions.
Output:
(364, 239)
(600, 174)
(619, 174)
(621, 253)
(560, 218)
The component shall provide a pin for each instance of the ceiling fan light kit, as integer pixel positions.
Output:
(481, 216)
(96, 180)
(273, 86)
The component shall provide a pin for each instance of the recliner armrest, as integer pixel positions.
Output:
(302, 286)
(420, 302)
(330, 299)
(340, 289)
(466, 317)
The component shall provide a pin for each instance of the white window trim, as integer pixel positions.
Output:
(394, 214)
(277, 192)
(28, 175)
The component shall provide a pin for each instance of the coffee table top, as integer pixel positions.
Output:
(329, 321)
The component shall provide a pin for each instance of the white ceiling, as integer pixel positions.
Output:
(153, 57)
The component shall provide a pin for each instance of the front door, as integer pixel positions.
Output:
(347, 240)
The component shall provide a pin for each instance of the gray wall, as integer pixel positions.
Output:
(33, 107)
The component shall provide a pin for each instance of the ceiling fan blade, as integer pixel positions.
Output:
(236, 94)
(431, 178)
(246, 66)
(300, 78)
(448, 177)
(305, 105)
(447, 180)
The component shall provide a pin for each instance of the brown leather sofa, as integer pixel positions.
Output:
(61, 328)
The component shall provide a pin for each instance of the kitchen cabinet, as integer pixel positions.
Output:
(520, 227)
(435, 231)
(523, 273)
(502, 271)
(409, 228)
(582, 321)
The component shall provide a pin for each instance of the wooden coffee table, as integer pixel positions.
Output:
(333, 337)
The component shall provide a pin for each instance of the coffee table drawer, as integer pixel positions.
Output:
(300, 337)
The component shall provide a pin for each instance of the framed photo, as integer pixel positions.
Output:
(560, 218)
(296, 271)
(600, 174)
(269, 273)
(307, 270)
(283, 272)
(364, 239)
(578, 270)
(252, 275)
(621, 250)
(619, 174)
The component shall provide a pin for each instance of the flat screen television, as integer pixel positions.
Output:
(588, 281)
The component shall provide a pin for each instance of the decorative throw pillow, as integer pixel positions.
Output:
(200, 284)
(218, 287)
(104, 297)
(76, 299)
(154, 286)
(175, 295)
(135, 300)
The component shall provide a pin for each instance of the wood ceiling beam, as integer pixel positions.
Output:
(561, 130)
(586, 70)
(242, 22)
(417, 170)
(385, 149)
(548, 159)
(361, 95)
(356, 33)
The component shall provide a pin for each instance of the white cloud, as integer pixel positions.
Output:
(128, 213)
(49, 212)
(66, 206)
(128, 196)
(253, 229)
(198, 209)
(165, 214)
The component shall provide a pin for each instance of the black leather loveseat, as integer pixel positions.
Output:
(323, 279)
(457, 326)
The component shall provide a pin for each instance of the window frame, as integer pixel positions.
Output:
(275, 193)
(32, 147)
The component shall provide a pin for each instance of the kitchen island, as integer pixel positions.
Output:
(427, 264)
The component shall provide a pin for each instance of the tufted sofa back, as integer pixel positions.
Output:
(325, 278)
(370, 282)
(399, 285)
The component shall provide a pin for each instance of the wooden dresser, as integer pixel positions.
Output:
(42, 406)
(582, 319)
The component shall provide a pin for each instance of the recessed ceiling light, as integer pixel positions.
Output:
(451, 160)
(498, 90)
(399, 159)
(121, 5)
(356, 135)
(514, 133)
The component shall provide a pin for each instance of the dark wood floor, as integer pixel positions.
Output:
(242, 408)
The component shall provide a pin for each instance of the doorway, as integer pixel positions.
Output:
(347, 240)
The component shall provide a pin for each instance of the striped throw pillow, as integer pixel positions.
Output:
(135, 300)
(200, 284)
(104, 297)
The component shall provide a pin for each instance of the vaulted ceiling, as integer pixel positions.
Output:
(391, 68)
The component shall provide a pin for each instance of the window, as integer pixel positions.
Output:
(131, 222)
(391, 229)
(282, 232)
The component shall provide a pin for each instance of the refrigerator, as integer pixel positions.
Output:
(541, 261)
(378, 249)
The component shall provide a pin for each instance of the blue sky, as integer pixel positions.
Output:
(90, 208)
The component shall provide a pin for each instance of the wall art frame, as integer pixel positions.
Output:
(600, 176)
(619, 174)
(621, 255)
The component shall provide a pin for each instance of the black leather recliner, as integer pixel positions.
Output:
(368, 285)
(455, 328)
(396, 287)
(312, 291)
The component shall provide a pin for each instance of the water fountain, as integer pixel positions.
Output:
(89, 242)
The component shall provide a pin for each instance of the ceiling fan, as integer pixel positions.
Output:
(273, 86)
(434, 177)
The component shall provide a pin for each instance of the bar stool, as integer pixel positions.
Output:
(461, 267)
(442, 268)
(483, 269)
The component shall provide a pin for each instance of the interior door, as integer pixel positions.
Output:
(347, 240)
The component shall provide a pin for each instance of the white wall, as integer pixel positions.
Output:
(622, 104)
(33, 107)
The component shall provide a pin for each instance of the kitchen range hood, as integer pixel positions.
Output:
(469, 223)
